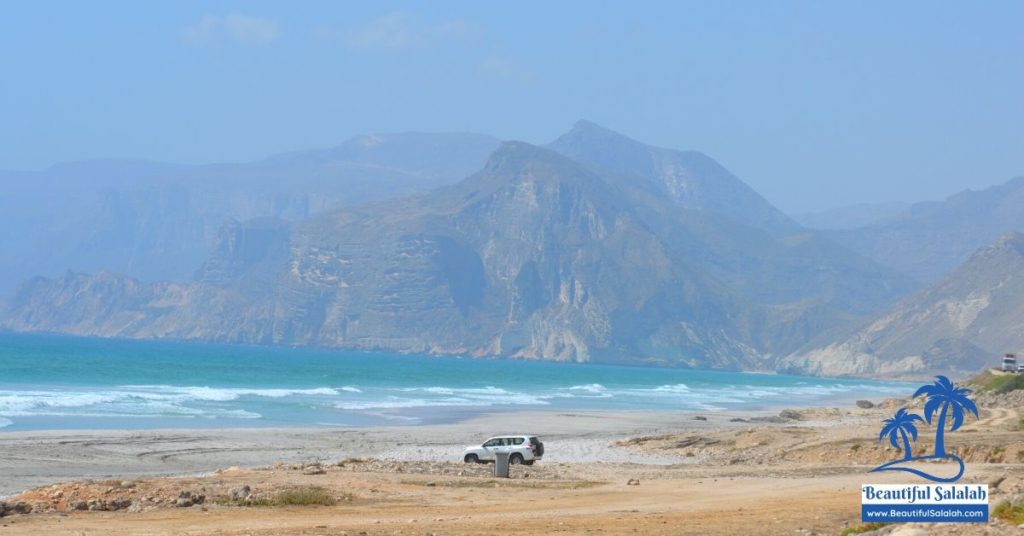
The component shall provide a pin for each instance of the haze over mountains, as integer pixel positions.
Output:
(596, 247)
(159, 221)
(928, 240)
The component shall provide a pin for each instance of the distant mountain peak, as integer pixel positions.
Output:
(588, 132)
(690, 179)
(585, 126)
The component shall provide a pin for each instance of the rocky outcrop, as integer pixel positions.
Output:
(957, 326)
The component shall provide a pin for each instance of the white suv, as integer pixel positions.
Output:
(522, 449)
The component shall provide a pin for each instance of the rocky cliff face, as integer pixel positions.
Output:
(691, 179)
(961, 324)
(535, 256)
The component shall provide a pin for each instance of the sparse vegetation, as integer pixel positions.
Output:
(1011, 513)
(312, 496)
(1003, 383)
(860, 529)
(304, 497)
(352, 461)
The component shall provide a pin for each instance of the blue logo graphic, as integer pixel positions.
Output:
(946, 400)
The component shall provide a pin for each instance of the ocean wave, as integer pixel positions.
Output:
(223, 394)
(5, 422)
(464, 397)
(677, 388)
(137, 402)
(351, 389)
(595, 388)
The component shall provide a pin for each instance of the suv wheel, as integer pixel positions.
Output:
(471, 458)
(515, 459)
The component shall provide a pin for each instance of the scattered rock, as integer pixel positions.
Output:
(994, 484)
(909, 531)
(430, 484)
(241, 493)
(20, 507)
(3, 508)
(700, 418)
(738, 419)
(187, 498)
(790, 414)
(633, 482)
(865, 404)
(313, 470)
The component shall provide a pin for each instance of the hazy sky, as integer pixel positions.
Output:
(815, 104)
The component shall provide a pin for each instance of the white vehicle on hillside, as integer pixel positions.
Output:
(522, 449)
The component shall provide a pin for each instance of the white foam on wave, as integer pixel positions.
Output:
(5, 422)
(677, 388)
(595, 388)
(222, 394)
(351, 389)
(447, 397)
(142, 401)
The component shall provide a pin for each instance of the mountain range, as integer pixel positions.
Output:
(594, 247)
(927, 240)
(597, 248)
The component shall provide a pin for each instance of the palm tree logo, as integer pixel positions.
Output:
(945, 399)
(899, 427)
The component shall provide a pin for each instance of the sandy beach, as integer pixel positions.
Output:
(604, 473)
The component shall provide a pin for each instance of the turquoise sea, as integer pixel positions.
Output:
(55, 382)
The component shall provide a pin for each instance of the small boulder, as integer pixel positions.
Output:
(313, 470)
(430, 484)
(633, 482)
(187, 498)
(241, 493)
(119, 504)
(700, 418)
(78, 505)
(20, 507)
(790, 414)
(865, 404)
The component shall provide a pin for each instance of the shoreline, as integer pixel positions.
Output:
(659, 473)
(38, 457)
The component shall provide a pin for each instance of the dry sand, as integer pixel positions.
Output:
(760, 475)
